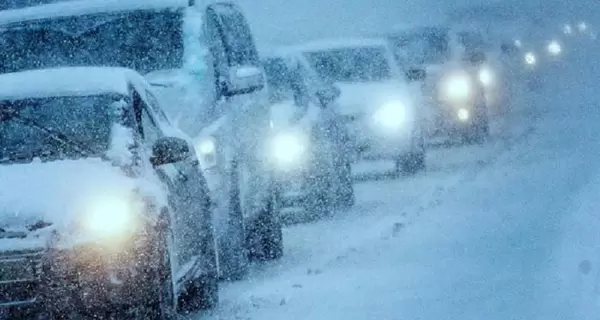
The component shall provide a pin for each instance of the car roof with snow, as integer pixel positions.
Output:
(84, 7)
(329, 44)
(71, 81)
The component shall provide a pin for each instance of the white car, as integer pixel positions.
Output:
(211, 45)
(382, 110)
(309, 149)
(103, 210)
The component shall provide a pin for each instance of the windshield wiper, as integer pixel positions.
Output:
(11, 114)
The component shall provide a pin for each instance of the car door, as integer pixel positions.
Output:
(188, 193)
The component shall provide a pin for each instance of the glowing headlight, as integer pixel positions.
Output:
(206, 146)
(554, 48)
(530, 58)
(582, 26)
(567, 29)
(390, 115)
(457, 87)
(518, 43)
(206, 151)
(486, 76)
(111, 217)
(289, 148)
(463, 114)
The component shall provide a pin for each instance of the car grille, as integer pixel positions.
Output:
(20, 273)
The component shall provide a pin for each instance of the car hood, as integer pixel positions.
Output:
(58, 193)
(365, 97)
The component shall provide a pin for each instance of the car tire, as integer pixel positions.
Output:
(200, 294)
(479, 132)
(413, 162)
(345, 197)
(265, 235)
(161, 302)
(318, 201)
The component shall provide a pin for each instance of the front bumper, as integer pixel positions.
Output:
(452, 119)
(82, 279)
(370, 142)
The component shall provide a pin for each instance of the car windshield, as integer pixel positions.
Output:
(142, 40)
(284, 83)
(360, 64)
(54, 128)
(428, 47)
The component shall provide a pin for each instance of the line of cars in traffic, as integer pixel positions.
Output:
(130, 194)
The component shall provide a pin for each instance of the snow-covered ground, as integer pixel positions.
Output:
(499, 231)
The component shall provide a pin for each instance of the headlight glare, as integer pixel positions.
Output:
(530, 58)
(457, 87)
(463, 114)
(554, 48)
(486, 76)
(288, 149)
(109, 217)
(391, 115)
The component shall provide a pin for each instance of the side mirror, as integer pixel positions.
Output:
(416, 75)
(244, 79)
(169, 150)
(328, 94)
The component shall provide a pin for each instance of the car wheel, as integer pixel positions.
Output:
(201, 294)
(479, 132)
(161, 301)
(265, 235)
(345, 197)
(233, 255)
(412, 162)
(318, 201)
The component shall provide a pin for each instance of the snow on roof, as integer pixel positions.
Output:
(71, 81)
(83, 7)
(329, 44)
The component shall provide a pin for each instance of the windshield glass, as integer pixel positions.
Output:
(360, 64)
(55, 128)
(284, 83)
(428, 47)
(140, 40)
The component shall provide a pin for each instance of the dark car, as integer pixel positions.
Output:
(104, 211)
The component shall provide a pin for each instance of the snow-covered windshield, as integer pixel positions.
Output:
(427, 47)
(55, 128)
(284, 83)
(143, 40)
(358, 64)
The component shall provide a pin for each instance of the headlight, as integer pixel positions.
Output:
(582, 26)
(289, 149)
(110, 217)
(530, 58)
(554, 48)
(518, 43)
(486, 76)
(206, 151)
(463, 114)
(390, 116)
(567, 29)
(457, 87)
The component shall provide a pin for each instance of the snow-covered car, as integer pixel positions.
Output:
(383, 112)
(309, 148)
(455, 80)
(210, 48)
(103, 209)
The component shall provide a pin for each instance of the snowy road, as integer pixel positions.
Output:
(481, 235)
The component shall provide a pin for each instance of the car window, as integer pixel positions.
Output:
(155, 107)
